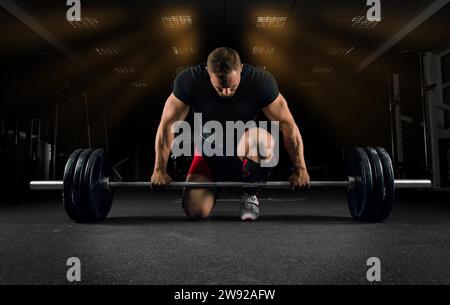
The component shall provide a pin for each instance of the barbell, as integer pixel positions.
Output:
(88, 190)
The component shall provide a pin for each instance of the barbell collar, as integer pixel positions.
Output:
(413, 183)
(46, 185)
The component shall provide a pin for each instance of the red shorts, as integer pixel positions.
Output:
(217, 168)
(200, 167)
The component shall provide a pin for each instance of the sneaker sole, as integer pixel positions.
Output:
(248, 219)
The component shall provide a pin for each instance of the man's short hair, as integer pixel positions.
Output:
(222, 61)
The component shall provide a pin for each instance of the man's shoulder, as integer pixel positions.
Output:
(193, 72)
(251, 68)
(255, 72)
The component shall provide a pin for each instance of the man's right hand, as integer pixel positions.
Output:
(160, 178)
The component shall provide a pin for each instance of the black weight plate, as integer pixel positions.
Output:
(389, 187)
(377, 202)
(78, 190)
(68, 182)
(359, 197)
(99, 198)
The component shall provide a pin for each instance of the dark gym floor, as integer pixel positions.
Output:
(308, 238)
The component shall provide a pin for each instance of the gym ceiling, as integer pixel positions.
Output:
(126, 53)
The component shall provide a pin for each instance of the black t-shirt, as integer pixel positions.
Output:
(257, 89)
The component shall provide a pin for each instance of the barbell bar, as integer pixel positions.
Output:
(88, 191)
(399, 183)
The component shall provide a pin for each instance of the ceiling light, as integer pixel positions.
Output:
(361, 22)
(270, 22)
(124, 70)
(183, 51)
(177, 22)
(139, 85)
(340, 51)
(85, 23)
(260, 50)
(322, 70)
(309, 84)
(106, 51)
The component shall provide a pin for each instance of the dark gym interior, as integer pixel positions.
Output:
(102, 83)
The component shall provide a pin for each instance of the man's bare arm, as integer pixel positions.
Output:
(174, 110)
(292, 139)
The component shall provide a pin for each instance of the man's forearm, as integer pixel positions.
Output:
(162, 148)
(293, 142)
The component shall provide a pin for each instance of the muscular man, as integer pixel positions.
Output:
(224, 89)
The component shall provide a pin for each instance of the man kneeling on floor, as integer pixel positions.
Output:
(225, 90)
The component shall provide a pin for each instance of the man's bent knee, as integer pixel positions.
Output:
(198, 203)
(256, 144)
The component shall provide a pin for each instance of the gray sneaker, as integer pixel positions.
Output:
(249, 207)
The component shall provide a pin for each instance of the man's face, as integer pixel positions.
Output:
(226, 88)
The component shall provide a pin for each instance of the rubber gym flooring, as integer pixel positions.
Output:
(301, 238)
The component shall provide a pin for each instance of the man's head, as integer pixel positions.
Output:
(224, 68)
